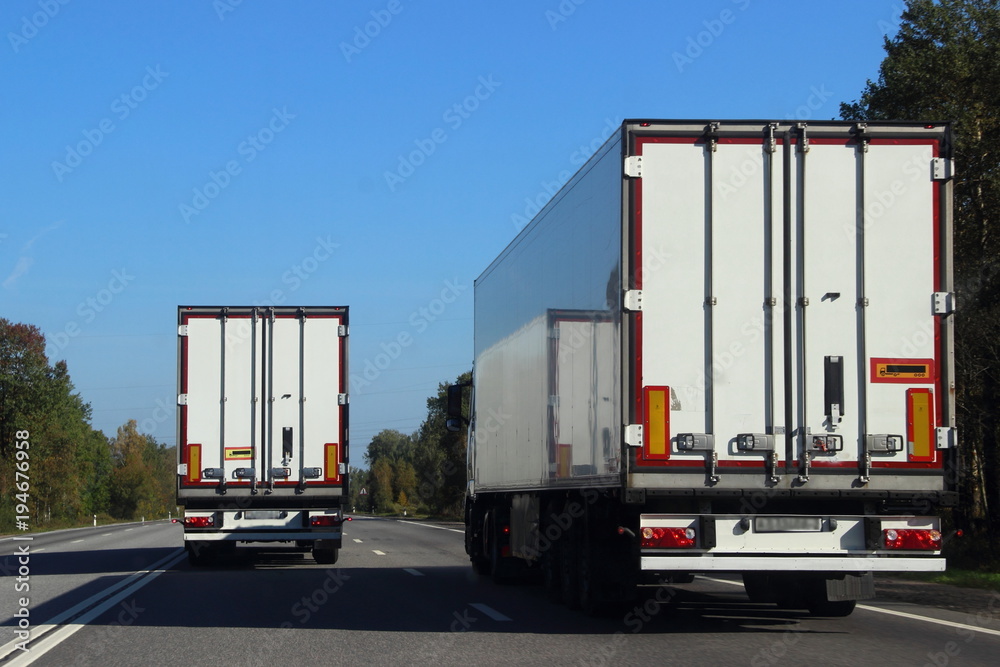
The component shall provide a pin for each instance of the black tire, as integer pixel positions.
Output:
(837, 609)
(326, 556)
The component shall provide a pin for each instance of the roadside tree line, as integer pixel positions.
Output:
(423, 472)
(74, 470)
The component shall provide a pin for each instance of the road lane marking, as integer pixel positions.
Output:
(357, 540)
(415, 573)
(76, 541)
(928, 619)
(429, 525)
(892, 612)
(50, 634)
(377, 552)
(489, 611)
(105, 534)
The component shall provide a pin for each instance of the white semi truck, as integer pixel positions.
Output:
(262, 423)
(722, 347)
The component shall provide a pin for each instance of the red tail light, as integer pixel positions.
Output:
(668, 538)
(199, 521)
(911, 538)
(324, 520)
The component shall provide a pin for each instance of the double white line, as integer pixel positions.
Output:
(61, 627)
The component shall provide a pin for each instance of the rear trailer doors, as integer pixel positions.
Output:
(261, 402)
(790, 312)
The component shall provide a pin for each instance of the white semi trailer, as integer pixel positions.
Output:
(262, 427)
(722, 347)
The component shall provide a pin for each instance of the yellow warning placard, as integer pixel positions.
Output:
(238, 453)
(902, 370)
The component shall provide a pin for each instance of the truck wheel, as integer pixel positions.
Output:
(326, 556)
(836, 609)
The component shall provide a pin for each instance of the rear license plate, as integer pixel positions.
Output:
(788, 524)
(263, 514)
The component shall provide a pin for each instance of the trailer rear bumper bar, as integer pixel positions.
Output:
(812, 564)
(334, 539)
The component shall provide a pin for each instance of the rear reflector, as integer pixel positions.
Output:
(324, 520)
(920, 424)
(199, 521)
(656, 438)
(667, 538)
(911, 538)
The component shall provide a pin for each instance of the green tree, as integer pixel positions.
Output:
(440, 455)
(381, 485)
(404, 480)
(390, 445)
(69, 460)
(944, 64)
(360, 479)
(141, 482)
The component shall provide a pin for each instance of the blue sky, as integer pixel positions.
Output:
(375, 154)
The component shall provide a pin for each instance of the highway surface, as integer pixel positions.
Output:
(403, 593)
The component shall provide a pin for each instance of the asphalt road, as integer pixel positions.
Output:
(403, 593)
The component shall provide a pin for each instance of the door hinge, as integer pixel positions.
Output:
(942, 169)
(182, 399)
(343, 399)
(633, 166)
(947, 437)
(633, 435)
(632, 300)
(182, 330)
(342, 331)
(944, 303)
